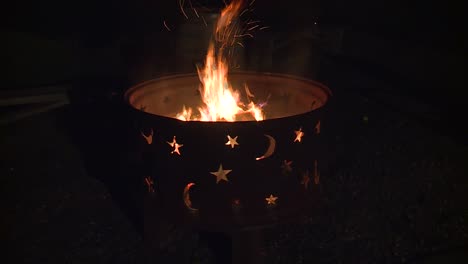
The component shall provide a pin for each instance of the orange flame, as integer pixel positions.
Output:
(221, 101)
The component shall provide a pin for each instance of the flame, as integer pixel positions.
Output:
(185, 115)
(221, 101)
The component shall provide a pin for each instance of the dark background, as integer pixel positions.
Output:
(398, 63)
(416, 49)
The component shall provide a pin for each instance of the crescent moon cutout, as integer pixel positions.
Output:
(186, 197)
(271, 148)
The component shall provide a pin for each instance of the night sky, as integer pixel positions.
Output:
(417, 46)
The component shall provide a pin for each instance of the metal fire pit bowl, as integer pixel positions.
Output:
(294, 104)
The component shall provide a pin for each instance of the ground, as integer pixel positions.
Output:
(394, 191)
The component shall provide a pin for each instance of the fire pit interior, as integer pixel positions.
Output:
(282, 95)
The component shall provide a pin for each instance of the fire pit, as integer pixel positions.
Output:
(225, 153)
(229, 175)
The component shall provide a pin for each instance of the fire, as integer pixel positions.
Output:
(221, 101)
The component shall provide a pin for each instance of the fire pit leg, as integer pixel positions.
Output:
(220, 245)
(247, 247)
(236, 248)
(170, 245)
(166, 242)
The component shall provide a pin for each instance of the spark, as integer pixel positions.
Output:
(240, 44)
(243, 12)
(229, 30)
(251, 22)
(243, 35)
(204, 22)
(240, 31)
(252, 28)
(196, 13)
(251, 3)
(168, 29)
(181, 4)
(262, 28)
(233, 39)
(194, 10)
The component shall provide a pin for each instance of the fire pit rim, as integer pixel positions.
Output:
(127, 94)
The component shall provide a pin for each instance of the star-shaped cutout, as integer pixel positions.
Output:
(175, 145)
(221, 174)
(271, 200)
(305, 179)
(232, 141)
(299, 135)
(287, 166)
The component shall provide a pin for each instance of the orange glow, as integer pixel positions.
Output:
(221, 101)
(149, 138)
(186, 197)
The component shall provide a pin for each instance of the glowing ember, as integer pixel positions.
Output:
(221, 101)
(150, 184)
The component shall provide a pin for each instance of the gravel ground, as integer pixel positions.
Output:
(53, 211)
(395, 192)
